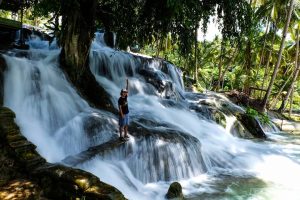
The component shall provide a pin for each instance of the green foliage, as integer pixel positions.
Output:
(46, 8)
(5, 14)
(167, 28)
(148, 21)
(262, 117)
(251, 112)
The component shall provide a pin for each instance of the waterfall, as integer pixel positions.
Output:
(49, 111)
(181, 144)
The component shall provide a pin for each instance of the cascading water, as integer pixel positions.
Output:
(181, 144)
(50, 112)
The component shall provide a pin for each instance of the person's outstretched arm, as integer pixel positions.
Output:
(127, 84)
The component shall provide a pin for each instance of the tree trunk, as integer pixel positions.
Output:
(217, 86)
(248, 52)
(157, 47)
(297, 68)
(280, 91)
(264, 45)
(268, 59)
(268, 93)
(232, 58)
(196, 60)
(76, 38)
(248, 66)
(291, 103)
(262, 51)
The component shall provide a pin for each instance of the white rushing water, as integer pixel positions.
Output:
(209, 162)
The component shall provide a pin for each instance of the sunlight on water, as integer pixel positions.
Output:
(282, 174)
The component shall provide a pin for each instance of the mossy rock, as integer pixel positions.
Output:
(28, 155)
(66, 181)
(20, 159)
(6, 112)
(219, 117)
(15, 138)
(24, 189)
(175, 192)
(252, 125)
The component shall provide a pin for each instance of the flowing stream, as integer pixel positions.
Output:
(185, 145)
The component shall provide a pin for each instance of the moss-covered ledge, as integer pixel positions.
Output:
(54, 181)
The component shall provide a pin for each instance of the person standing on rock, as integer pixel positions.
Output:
(123, 113)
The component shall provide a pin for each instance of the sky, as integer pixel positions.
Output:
(212, 31)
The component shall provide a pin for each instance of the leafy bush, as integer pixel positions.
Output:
(262, 117)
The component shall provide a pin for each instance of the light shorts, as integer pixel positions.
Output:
(124, 121)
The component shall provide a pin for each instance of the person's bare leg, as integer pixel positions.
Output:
(120, 130)
(125, 131)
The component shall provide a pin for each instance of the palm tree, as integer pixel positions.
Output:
(262, 11)
(269, 57)
(274, 74)
(268, 10)
(297, 69)
(196, 50)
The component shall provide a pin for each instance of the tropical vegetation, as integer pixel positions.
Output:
(257, 52)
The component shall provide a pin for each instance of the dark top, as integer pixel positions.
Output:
(124, 105)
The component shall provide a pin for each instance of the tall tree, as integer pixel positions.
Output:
(262, 54)
(78, 27)
(196, 53)
(135, 20)
(269, 57)
(274, 74)
(248, 50)
(220, 64)
(296, 73)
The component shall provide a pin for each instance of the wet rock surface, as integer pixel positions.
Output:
(21, 189)
(25, 174)
(175, 192)
(252, 125)
(140, 132)
(216, 108)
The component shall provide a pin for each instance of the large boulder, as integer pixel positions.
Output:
(252, 125)
(175, 192)
(61, 182)
(216, 108)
